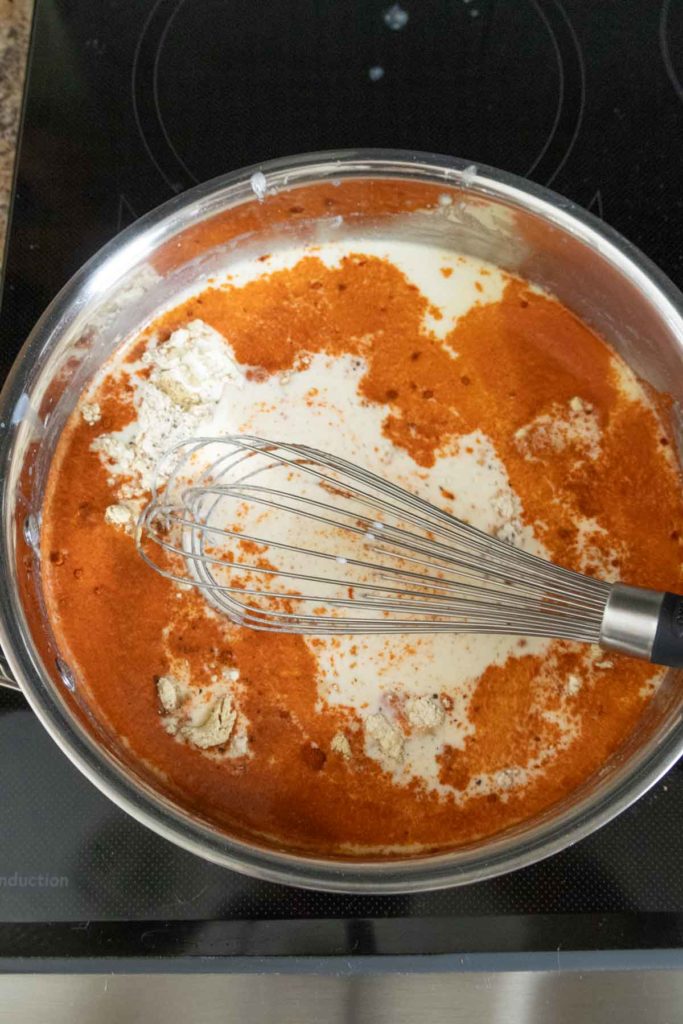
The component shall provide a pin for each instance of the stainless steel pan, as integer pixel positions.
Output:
(486, 213)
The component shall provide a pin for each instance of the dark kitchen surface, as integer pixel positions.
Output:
(129, 102)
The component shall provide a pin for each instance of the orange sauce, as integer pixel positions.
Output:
(516, 358)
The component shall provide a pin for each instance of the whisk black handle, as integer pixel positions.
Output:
(667, 648)
(645, 624)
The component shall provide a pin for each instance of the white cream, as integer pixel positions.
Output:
(195, 388)
(340, 421)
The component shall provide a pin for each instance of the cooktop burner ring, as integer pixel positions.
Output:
(546, 160)
(665, 36)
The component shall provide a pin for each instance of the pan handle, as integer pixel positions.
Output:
(7, 681)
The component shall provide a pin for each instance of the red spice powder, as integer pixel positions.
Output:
(516, 359)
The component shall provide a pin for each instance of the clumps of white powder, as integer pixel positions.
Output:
(425, 713)
(385, 737)
(91, 412)
(190, 368)
(186, 378)
(395, 744)
(203, 717)
(170, 692)
(573, 425)
(340, 745)
(217, 727)
(119, 515)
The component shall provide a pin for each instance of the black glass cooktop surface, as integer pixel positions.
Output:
(131, 101)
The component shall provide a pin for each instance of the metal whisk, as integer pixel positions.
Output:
(287, 538)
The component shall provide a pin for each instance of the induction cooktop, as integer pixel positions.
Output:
(129, 102)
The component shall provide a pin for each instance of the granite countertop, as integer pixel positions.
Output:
(15, 25)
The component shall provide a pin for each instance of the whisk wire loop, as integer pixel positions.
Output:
(287, 538)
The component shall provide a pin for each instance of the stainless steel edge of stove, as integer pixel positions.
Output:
(629, 283)
(330, 994)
